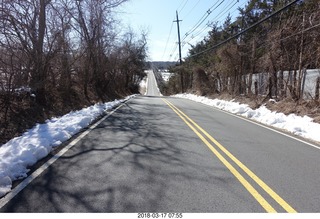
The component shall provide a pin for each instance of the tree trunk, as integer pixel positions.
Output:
(181, 81)
(39, 74)
(253, 65)
(281, 76)
(317, 89)
(270, 87)
(281, 84)
(299, 91)
(256, 88)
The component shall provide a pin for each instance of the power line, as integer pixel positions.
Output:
(246, 30)
(228, 9)
(165, 49)
(183, 6)
(302, 31)
(174, 49)
(207, 25)
(179, 42)
(202, 19)
(183, 2)
(192, 9)
(197, 34)
(238, 7)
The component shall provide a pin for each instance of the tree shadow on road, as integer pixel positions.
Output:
(132, 162)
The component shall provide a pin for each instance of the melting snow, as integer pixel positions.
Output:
(22, 152)
(301, 126)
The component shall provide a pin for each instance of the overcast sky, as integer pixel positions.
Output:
(157, 17)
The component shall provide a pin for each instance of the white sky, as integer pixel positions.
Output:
(157, 17)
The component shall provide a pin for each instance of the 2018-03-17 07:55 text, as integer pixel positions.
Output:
(160, 215)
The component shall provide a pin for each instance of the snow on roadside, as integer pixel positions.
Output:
(301, 126)
(144, 85)
(22, 152)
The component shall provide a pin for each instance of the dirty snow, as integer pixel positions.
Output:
(297, 125)
(17, 155)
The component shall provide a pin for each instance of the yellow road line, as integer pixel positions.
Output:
(242, 180)
(264, 186)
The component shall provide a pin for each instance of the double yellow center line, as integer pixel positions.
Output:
(201, 133)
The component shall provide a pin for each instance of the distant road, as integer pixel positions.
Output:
(152, 88)
(165, 154)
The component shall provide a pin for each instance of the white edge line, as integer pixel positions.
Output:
(41, 169)
(259, 124)
(272, 129)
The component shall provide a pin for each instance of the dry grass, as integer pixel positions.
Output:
(302, 108)
(309, 108)
(25, 113)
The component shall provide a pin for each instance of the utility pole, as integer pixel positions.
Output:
(179, 44)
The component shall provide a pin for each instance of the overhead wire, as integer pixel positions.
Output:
(184, 41)
(165, 49)
(238, 7)
(174, 49)
(200, 21)
(175, 46)
(208, 24)
(227, 9)
(183, 6)
(245, 30)
(183, 2)
(302, 31)
(192, 9)
(203, 18)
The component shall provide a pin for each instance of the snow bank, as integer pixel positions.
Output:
(22, 152)
(301, 126)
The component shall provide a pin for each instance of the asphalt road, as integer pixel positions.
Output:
(152, 88)
(164, 154)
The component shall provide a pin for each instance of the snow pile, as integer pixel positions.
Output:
(22, 152)
(301, 126)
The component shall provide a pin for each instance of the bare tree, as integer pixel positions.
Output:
(65, 53)
(24, 28)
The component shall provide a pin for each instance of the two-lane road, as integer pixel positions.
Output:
(152, 88)
(165, 154)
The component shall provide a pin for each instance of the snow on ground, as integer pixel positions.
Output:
(22, 152)
(300, 126)
(143, 84)
(166, 75)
